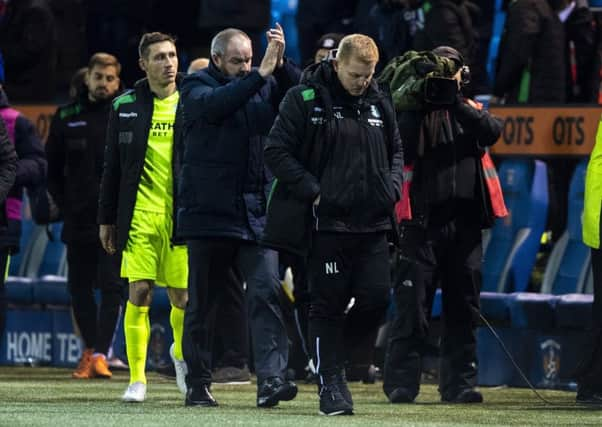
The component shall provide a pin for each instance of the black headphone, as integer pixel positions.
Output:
(464, 75)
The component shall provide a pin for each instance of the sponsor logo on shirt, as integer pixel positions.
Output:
(161, 129)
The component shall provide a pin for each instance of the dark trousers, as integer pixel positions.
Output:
(589, 370)
(449, 255)
(209, 261)
(91, 267)
(231, 328)
(342, 266)
(358, 342)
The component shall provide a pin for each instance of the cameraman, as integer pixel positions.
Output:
(441, 244)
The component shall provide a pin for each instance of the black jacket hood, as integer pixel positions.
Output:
(322, 76)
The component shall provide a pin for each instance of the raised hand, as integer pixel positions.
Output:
(277, 35)
(270, 59)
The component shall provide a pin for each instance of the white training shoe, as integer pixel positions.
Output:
(181, 370)
(135, 392)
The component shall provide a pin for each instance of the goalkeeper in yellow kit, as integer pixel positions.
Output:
(136, 203)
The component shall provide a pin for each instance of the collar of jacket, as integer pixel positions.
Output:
(217, 74)
(87, 105)
(323, 77)
(142, 84)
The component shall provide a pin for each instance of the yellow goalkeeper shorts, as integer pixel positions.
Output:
(149, 253)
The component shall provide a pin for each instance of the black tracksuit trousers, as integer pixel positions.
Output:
(342, 266)
(91, 267)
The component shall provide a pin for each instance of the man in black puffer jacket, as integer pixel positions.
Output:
(335, 147)
(223, 185)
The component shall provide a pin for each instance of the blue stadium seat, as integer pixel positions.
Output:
(515, 240)
(33, 252)
(529, 310)
(42, 256)
(19, 290)
(574, 311)
(567, 268)
(54, 258)
(51, 290)
(589, 282)
(495, 307)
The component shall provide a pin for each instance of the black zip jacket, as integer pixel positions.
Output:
(75, 150)
(127, 140)
(345, 149)
(448, 179)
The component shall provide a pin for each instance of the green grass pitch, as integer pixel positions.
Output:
(49, 397)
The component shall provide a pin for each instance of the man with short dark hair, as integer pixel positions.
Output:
(75, 150)
(336, 152)
(223, 188)
(136, 203)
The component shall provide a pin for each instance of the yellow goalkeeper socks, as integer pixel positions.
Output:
(137, 333)
(176, 319)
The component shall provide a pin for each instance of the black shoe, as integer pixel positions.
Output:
(199, 396)
(274, 389)
(589, 399)
(401, 395)
(468, 395)
(588, 395)
(341, 381)
(333, 401)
